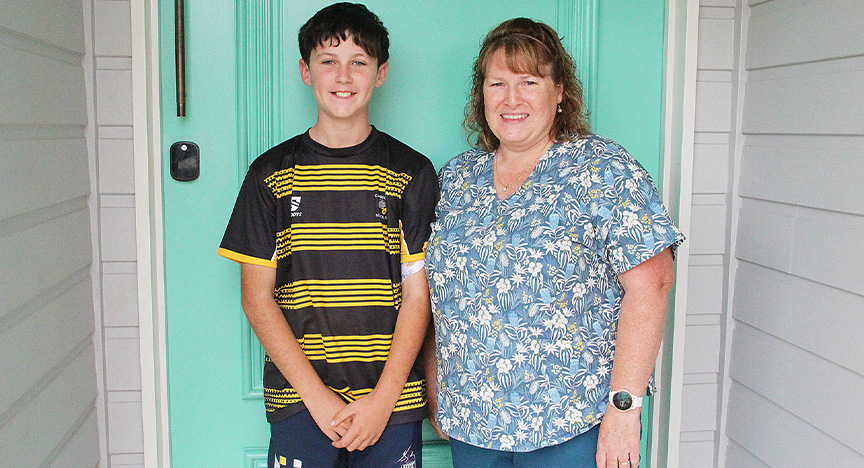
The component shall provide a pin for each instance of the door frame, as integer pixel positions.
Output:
(678, 114)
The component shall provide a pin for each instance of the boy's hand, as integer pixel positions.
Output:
(323, 408)
(368, 417)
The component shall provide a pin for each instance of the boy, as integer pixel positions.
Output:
(337, 220)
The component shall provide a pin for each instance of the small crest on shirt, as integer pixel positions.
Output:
(382, 207)
(295, 206)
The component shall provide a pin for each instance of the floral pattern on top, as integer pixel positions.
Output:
(525, 295)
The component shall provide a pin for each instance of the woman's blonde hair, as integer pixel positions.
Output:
(529, 47)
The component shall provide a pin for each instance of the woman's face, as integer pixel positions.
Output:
(520, 108)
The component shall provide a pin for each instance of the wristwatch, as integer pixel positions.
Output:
(623, 400)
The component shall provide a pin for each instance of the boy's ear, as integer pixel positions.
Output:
(382, 73)
(304, 73)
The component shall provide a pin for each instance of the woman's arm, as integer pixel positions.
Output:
(641, 324)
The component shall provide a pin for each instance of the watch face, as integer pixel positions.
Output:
(622, 400)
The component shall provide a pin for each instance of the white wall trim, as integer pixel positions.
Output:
(89, 65)
(679, 118)
(743, 20)
(148, 228)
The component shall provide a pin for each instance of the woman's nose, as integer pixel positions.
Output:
(513, 95)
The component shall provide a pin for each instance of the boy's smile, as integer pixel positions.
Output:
(343, 79)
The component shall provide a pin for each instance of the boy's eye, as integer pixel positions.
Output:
(328, 62)
(360, 63)
(530, 82)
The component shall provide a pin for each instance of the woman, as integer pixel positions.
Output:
(540, 230)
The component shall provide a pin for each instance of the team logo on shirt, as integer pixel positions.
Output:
(382, 207)
(295, 206)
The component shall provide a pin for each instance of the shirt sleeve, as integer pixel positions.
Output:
(418, 213)
(634, 224)
(251, 233)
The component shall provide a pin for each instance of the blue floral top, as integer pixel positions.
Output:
(525, 295)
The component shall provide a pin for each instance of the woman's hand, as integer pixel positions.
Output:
(618, 441)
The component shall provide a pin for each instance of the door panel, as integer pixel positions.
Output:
(244, 95)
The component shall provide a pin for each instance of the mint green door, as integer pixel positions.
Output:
(244, 95)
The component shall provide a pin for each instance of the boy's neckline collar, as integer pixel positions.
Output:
(341, 152)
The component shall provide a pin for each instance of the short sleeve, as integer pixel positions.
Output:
(251, 233)
(418, 213)
(634, 223)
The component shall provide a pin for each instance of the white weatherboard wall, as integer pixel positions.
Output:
(709, 251)
(116, 194)
(798, 309)
(48, 380)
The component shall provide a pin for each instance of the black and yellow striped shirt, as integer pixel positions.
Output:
(337, 224)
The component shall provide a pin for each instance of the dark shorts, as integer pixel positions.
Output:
(578, 452)
(297, 442)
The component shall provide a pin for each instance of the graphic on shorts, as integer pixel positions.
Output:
(280, 461)
(408, 459)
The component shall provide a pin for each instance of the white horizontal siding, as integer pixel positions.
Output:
(801, 383)
(822, 246)
(698, 454)
(739, 457)
(40, 90)
(713, 106)
(824, 321)
(786, 168)
(780, 438)
(48, 386)
(709, 234)
(69, 312)
(798, 306)
(113, 80)
(59, 160)
(54, 23)
(41, 256)
(56, 410)
(78, 452)
(798, 32)
(815, 99)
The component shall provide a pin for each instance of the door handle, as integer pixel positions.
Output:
(180, 56)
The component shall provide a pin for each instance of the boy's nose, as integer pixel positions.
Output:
(343, 75)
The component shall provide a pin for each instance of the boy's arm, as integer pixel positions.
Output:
(371, 413)
(275, 335)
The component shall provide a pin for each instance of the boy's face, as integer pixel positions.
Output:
(343, 79)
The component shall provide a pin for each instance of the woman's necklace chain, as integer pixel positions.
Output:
(520, 177)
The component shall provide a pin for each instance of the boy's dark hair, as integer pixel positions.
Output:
(339, 20)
